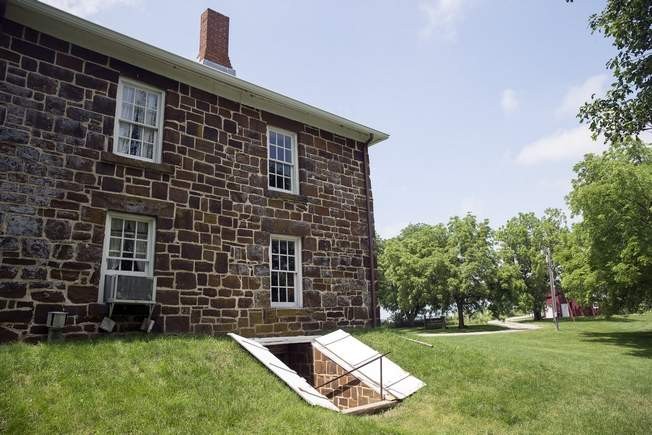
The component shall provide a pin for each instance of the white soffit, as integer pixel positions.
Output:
(287, 375)
(349, 352)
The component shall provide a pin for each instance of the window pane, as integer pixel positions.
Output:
(286, 184)
(130, 229)
(283, 247)
(124, 129)
(126, 265)
(114, 247)
(116, 227)
(142, 230)
(152, 101)
(139, 114)
(282, 279)
(290, 280)
(274, 294)
(148, 150)
(281, 295)
(290, 248)
(112, 264)
(272, 137)
(274, 279)
(127, 111)
(128, 248)
(135, 148)
(141, 249)
(150, 117)
(128, 93)
(140, 266)
(274, 262)
(290, 293)
(140, 97)
(291, 263)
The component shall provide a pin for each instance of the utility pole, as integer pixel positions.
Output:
(553, 295)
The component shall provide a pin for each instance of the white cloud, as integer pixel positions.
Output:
(509, 101)
(87, 8)
(442, 17)
(562, 145)
(580, 94)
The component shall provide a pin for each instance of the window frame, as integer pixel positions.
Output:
(298, 279)
(295, 159)
(158, 144)
(151, 248)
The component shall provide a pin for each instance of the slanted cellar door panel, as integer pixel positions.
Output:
(287, 375)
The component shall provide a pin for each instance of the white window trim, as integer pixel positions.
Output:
(158, 145)
(151, 247)
(298, 282)
(295, 160)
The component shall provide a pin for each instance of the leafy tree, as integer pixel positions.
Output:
(578, 278)
(613, 194)
(626, 109)
(522, 241)
(414, 270)
(471, 264)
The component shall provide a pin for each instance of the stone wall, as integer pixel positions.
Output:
(58, 178)
(346, 392)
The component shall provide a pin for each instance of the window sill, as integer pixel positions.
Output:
(163, 168)
(285, 195)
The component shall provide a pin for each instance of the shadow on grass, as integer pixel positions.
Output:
(639, 342)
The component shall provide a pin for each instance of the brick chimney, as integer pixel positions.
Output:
(214, 41)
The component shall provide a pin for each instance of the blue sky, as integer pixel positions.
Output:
(479, 96)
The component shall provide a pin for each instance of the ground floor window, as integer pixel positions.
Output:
(285, 267)
(128, 258)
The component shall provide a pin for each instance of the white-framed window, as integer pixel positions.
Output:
(138, 130)
(285, 271)
(283, 161)
(128, 251)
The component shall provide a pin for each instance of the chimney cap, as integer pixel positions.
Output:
(214, 41)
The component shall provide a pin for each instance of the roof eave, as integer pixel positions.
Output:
(92, 36)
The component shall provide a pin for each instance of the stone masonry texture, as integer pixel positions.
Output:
(346, 392)
(58, 179)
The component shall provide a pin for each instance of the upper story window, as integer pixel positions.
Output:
(138, 121)
(285, 257)
(283, 167)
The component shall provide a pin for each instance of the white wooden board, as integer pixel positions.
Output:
(349, 352)
(287, 375)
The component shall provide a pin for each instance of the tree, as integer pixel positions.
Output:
(578, 278)
(612, 192)
(626, 109)
(522, 241)
(414, 270)
(471, 264)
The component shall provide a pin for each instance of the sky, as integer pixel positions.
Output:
(479, 96)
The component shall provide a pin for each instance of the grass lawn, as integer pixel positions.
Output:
(595, 376)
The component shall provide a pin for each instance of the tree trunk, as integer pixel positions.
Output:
(460, 314)
(536, 310)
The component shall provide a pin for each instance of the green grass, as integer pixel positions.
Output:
(450, 329)
(595, 376)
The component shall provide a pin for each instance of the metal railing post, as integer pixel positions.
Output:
(381, 378)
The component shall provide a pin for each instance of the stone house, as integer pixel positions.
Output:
(137, 183)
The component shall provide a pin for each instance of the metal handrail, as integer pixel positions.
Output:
(380, 357)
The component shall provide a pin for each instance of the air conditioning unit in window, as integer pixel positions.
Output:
(129, 289)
